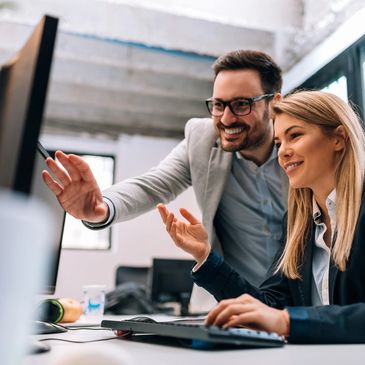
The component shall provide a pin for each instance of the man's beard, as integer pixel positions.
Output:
(250, 143)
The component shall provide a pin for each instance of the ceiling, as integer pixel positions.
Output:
(144, 67)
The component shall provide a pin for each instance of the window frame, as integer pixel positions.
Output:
(348, 64)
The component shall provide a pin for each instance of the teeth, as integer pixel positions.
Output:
(292, 166)
(233, 130)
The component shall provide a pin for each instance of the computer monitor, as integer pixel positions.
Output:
(23, 89)
(171, 282)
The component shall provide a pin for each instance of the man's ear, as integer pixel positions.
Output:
(341, 138)
(277, 97)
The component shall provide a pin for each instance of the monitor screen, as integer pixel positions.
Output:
(171, 281)
(23, 89)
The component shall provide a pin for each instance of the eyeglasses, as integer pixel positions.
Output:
(238, 107)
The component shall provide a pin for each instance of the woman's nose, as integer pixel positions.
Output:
(284, 151)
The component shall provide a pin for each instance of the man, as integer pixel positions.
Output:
(229, 160)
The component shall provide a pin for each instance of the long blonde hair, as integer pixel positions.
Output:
(327, 111)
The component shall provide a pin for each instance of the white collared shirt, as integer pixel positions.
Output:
(321, 252)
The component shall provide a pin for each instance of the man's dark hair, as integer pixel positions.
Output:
(269, 71)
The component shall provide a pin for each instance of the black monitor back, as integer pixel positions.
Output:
(171, 280)
(23, 89)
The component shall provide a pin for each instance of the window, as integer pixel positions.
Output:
(343, 76)
(363, 74)
(338, 87)
(75, 234)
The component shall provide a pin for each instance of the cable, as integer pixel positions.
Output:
(118, 334)
(73, 341)
(87, 328)
(91, 328)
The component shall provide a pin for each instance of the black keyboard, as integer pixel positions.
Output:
(197, 333)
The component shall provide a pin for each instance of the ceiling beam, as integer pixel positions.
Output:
(110, 20)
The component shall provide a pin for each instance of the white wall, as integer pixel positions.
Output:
(135, 242)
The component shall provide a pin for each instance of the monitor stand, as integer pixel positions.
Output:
(184, 305)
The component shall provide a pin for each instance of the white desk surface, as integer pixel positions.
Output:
(133, 353)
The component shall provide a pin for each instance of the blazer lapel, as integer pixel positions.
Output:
(305, 285)
(219, 167)
(333, 271)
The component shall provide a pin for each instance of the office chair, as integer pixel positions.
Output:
(135, 274)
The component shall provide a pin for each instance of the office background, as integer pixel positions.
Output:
(128, 74)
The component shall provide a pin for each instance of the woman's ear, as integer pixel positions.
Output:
(341, 137)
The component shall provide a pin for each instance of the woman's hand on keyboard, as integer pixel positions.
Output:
(190, 236)
(248, 311)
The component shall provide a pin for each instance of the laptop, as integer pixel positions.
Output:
(196, 335)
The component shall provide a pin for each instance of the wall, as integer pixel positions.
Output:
(135, 242)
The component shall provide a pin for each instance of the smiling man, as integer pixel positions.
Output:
(229, 160)
(250, 196)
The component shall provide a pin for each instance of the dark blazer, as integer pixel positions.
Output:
(343, 321)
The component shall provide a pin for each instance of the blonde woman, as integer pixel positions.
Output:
(316, 292)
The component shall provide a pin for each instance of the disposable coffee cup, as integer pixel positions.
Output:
(94, 301)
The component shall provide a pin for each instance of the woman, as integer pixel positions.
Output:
(316, 292)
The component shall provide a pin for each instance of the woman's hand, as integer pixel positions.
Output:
(190, 237)
(246, 310)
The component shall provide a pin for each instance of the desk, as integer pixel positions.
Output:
(138, 353)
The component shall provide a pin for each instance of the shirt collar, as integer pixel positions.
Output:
(273, 155)
(330, 203)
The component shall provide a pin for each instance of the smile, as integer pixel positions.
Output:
(291, 166)
(233, 130)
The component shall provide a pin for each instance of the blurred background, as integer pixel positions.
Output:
(128, 74)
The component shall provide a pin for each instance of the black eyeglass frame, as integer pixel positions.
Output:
(250, 101)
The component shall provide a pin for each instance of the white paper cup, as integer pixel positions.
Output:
(94, 301)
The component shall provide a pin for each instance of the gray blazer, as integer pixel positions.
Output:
(197, 161)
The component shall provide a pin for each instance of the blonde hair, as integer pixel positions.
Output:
(327, 111)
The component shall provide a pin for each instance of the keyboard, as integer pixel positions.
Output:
(197, 335)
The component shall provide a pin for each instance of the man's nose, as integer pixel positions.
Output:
(228, 117)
